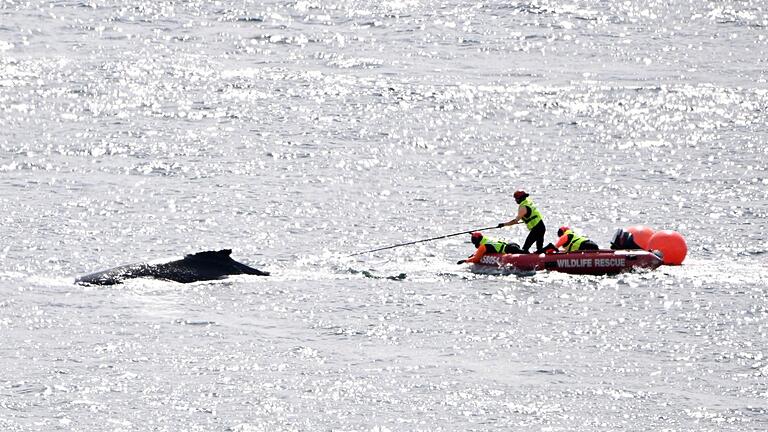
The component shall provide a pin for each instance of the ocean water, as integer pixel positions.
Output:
(297, 133)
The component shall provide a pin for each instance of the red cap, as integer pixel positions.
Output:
(519, 194)
(562, 230)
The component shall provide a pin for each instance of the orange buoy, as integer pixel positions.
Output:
(671, 244)
(641, 234)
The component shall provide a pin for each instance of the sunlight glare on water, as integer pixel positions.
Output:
(299, 133)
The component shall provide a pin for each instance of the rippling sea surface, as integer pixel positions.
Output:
(299, 132)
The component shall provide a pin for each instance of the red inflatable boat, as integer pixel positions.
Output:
(599, 262)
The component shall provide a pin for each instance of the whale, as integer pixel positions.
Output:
(200, 266)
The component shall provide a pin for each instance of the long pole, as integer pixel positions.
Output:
(425, 240)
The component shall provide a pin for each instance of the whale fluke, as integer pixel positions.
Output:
(200, 266)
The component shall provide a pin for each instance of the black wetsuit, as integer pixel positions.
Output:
(588, 245)
(535, 235)
(512, 248)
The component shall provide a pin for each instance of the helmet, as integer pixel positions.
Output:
(520, 196)
(476, 237)
(562, 230)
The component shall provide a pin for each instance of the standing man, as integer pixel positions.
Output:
(528, 213)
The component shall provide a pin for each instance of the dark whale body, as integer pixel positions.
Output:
(202, 266)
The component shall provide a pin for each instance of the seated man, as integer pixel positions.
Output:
(485, 245)
(572, 242)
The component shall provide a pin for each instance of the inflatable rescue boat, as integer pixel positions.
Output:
(599, 262)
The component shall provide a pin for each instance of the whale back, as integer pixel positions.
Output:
(201, 266)
(116, 275)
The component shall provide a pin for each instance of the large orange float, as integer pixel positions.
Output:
(671, 244)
